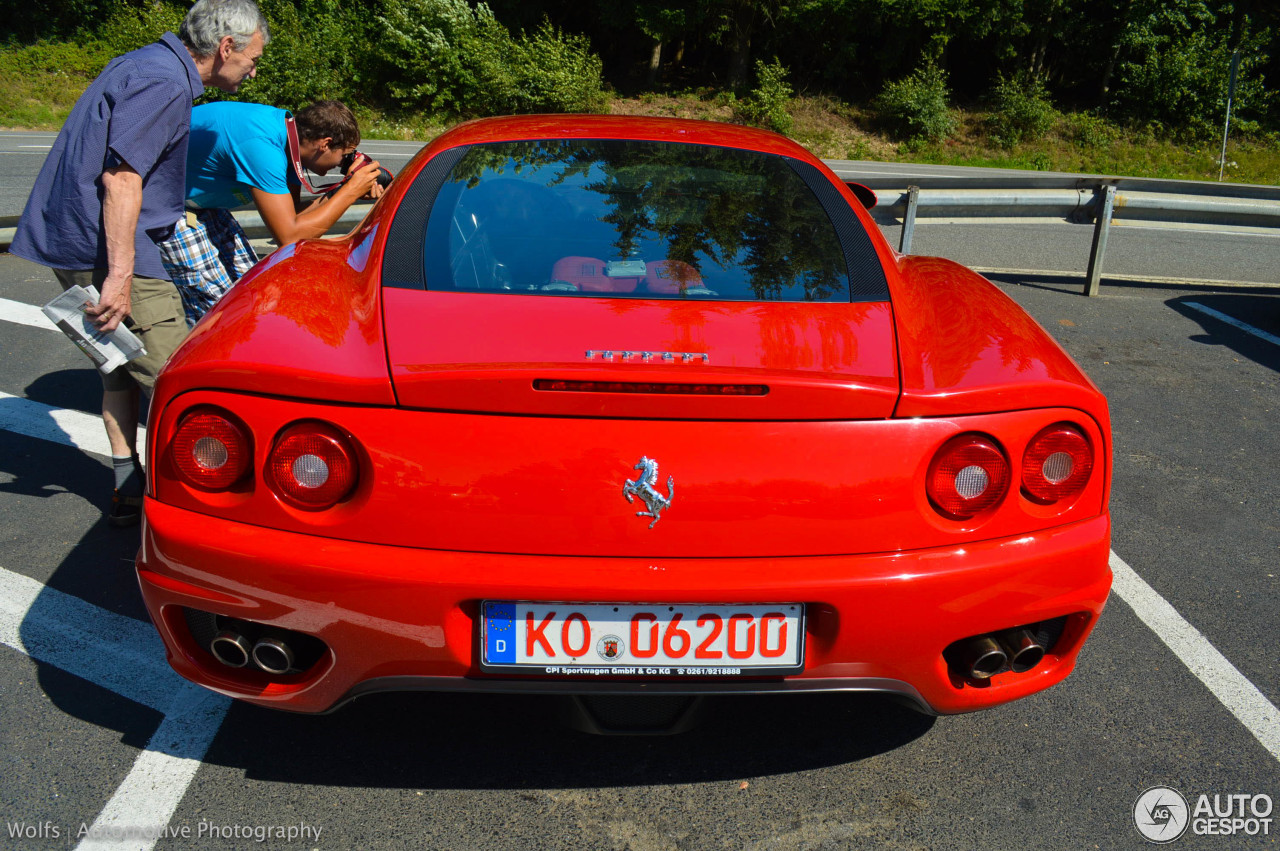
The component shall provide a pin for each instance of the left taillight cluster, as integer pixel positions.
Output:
(311, 465)
(971, 473)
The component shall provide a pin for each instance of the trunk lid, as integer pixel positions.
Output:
(578, 356)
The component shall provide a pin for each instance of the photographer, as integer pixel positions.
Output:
(242, 153)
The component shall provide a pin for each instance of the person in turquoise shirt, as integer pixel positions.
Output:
(244, 154)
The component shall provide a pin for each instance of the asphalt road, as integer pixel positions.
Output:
(1178, 685)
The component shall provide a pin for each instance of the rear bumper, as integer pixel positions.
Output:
(396, 618)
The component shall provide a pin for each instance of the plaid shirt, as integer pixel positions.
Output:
(207, 253)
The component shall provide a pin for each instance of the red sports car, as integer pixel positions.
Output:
(607, 406)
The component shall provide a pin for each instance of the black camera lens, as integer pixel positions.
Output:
(348, 159)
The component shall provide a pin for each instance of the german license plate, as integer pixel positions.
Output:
(614, 639)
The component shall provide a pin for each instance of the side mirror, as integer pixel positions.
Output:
(862, 193)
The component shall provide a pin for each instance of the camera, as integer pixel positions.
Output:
(355, 160)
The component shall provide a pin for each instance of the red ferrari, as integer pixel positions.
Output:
(611, 407)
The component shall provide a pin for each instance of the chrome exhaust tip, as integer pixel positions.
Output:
(273, 656)
(984, 657)
(230, 648)
(1022, 648)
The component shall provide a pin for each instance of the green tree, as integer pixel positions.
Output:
(1174, 63)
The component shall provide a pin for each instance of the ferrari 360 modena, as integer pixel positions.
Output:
(621, 408)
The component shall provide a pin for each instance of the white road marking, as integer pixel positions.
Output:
(24, 314)
(109, 650)
(1231, 320)
(127, 657)
(1241, 697)
(160, 776)
(58, 425)
(34, 419)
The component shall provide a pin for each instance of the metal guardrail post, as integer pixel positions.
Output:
(1101, 229)
(909, 219)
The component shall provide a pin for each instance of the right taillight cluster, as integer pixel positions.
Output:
(312, 465)
(970, 474)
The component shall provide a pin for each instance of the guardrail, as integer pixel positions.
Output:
(1071, 198)
(1023, 195)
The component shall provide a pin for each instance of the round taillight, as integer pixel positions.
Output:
(1057, 464)
(312, 465)
(968, 476)
(211, 450)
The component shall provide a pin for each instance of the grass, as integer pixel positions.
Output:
(44, 80)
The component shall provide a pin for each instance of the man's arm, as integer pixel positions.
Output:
(121, 205)
(288, 225)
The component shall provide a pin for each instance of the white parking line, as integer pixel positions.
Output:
(1241, 697)
(24, 314)
(109, 650)
(125, 656)
(58, 425)
(160, 776)
(1231, 320)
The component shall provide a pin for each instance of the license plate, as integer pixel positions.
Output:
(614, 639)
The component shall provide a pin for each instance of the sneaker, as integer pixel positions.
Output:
(125, 510)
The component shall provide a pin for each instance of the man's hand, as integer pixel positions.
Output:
(121, 204)
(114, 305)
(363, 183)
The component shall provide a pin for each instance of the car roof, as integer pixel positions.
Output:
(687, 130)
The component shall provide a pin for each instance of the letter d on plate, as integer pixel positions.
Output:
(499, 632)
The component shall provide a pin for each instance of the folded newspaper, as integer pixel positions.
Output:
(108, 351)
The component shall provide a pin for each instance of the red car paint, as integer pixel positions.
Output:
(475, 485)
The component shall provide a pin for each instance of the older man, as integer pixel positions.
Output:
(112, 187)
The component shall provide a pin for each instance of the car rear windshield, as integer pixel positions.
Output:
(627, 219)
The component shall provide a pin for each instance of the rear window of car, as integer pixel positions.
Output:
(628, 219)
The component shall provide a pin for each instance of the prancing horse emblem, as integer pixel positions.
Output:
(643, 487)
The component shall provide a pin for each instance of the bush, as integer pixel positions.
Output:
(548, 71)
(128, 28)
(1020, 109)
(767, 104)
(915, 107)
(1090, 131)
(448, 58)
(44, 79)
(1180, 82)
(313, 55)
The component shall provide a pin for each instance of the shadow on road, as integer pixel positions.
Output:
(435, 741)
(1256, 310)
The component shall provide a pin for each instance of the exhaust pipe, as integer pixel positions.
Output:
(983, 657)
(1022, 648)
(273, 656)
(230, 648)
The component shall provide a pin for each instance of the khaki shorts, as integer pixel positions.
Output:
(157, 318)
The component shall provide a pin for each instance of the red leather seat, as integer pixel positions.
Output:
(587, 274)
(670, 277)
(579, 271)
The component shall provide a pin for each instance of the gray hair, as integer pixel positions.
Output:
(210, 21)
